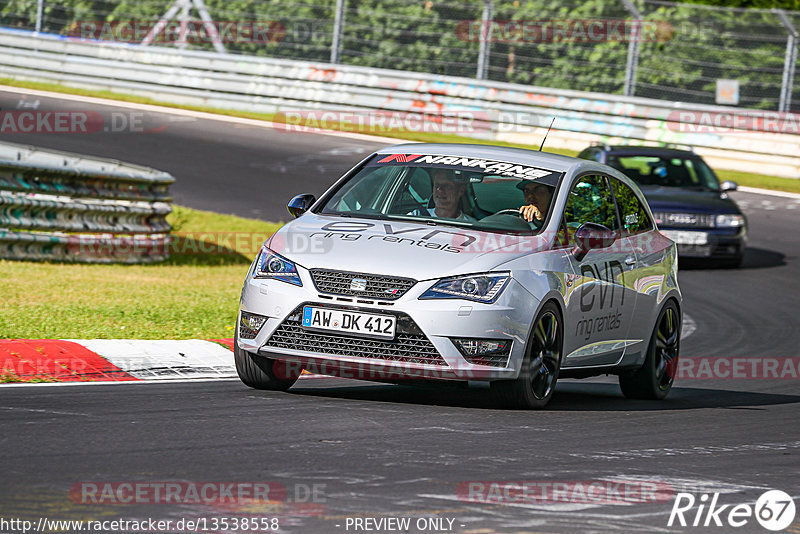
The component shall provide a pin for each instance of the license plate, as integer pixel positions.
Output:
(684, 237)
(367, 324)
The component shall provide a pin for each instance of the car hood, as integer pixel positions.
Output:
(406, 249)
(671, 199)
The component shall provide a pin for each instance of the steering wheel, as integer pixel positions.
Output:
(510, 211)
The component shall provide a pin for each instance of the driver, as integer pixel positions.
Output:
(447, 192)
(537, 201)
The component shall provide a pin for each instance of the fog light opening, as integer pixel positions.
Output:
(250, 324)
(491, 352)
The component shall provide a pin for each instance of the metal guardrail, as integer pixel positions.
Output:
(65, 207)
(516, 113)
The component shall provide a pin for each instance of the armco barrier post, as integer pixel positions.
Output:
(338, 30)
(485, 47)
(633, 49)
(39, 15)
(789, 62)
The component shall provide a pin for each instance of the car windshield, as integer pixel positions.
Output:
(667, 171)
(470, 192)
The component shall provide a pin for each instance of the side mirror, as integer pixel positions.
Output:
(728, 185)
(300, 204)
(591, 236)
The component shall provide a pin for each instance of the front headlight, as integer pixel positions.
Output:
(271, 265)
(729, 221)
(478, 287)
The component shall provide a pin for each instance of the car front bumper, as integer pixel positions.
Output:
(708, 243)
(422, 348)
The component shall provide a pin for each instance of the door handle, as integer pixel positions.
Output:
(630, 260)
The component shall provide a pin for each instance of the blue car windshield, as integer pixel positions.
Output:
(667, 171)
(446, 190)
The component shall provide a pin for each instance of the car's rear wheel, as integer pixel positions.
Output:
(259, 372)
(654, 379)
(540, 366)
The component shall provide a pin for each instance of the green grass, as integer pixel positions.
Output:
(776, 183)
(8, 376)
(189, 296)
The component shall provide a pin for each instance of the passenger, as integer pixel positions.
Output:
(537, 201)
(448, 190)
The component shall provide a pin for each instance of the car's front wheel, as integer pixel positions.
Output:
(540, 366)
(654, 379)
(259, 372)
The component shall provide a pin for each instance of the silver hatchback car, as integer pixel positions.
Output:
(495, 267)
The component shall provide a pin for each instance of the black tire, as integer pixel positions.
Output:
(654, 379)
(259, 372)
(540, 366)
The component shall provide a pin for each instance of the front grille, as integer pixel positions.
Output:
(374, 286)
(684, 220)
(410, 344)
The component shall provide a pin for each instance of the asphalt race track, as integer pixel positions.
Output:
(378, 450)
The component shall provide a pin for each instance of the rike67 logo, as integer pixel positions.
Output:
(774, 510)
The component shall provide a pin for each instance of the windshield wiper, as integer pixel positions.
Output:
(431, 221)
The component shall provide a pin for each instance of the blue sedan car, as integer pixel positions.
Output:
(689, 203)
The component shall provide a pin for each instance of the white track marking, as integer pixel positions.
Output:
(757, 191)
(165, 359)
(613, 511)
(54, 412)
(700, 450)
(115, 382)
(688, 327)
(196, 114)
(135, 382)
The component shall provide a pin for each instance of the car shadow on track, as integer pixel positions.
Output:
(569, 396)
(754, 258)
(575, 396)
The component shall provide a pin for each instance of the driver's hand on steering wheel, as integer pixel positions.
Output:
(529, 212)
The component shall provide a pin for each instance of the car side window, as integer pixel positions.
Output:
(590, 201)
(360, 195)
(414, 194)
(632, 212)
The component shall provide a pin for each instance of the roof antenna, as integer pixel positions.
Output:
(547, 132)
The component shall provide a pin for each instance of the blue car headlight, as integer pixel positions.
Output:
(271, 265)
(478, 287)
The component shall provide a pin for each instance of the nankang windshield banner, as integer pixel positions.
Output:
(461, 163)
